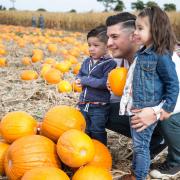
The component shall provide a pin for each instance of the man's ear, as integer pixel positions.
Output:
(132, 37)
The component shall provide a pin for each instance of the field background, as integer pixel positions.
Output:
(82, 22)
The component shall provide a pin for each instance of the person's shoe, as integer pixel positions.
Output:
(165, 170)
(128, 177)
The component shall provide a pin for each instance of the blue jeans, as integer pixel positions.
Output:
(141, 153)
(96, 118)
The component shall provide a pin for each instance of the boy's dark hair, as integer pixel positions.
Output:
(162, 34)
(100, 32)
(126, 19)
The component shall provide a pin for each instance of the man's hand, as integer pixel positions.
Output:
(78, 82)
(164, 115)
(142, 118)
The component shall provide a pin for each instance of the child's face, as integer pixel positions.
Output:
(97, 48)
(143, 31)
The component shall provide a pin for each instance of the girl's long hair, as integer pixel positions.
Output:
(162, 34)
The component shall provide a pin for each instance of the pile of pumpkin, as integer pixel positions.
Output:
(31, 150)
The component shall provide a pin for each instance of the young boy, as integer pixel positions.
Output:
(95, 97)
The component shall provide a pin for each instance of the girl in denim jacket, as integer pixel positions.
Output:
(95, 97)
(152, 80)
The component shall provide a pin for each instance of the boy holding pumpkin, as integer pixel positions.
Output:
(95, 97)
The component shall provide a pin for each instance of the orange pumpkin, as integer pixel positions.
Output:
(52, 76)
(52, 48)
(64, 86)
(49, 61)
(26, 61)
(76, 88)
(37, 57)
(44, 173)
(29, 75)
(3, 62)
(45, 68)
(75, 148)
(76, 68)
(102, 157)
(3, 149)
(17, 124)
(117, 80)
(62, 66)
(92, 173)
(29, 152)
(60, 119)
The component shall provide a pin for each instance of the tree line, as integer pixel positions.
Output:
(118, 5)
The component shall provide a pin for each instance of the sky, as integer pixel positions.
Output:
(78, 5)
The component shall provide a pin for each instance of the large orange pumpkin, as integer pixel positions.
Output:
(75, 148)
(117, 80)
(60, 119)
(3, 149)
(17, 124)
(29, 152)
(52, 76)
(44, 173)
(102, 157)
(92, 173)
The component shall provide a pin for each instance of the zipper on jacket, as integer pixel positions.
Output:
(89, 73)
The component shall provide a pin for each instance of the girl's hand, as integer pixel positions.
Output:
(164, 115)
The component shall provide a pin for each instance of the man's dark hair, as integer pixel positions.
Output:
(127, 19)
(100, 32)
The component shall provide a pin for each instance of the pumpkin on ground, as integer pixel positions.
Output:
(29, 75)
(44, 173)
(3, 62)
(52, 76)
(64, 86)
(60, 119)
(3, 148)
(17, 124)
(117, 80)
(92, 173)
(75, 148)
(29, 152)
(102, 157)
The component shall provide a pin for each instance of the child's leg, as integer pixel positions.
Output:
(99, 116)
(141, 153)
(87, 118)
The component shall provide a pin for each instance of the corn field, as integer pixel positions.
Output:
(70, 21)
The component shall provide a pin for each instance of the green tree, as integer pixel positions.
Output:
(170, 7)
(120, 6)
(41, 9)
(138, 5)
(151, 4)
(108, 4)
(72, 11)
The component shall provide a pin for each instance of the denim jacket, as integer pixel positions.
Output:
(93, 79)
(154, 80)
